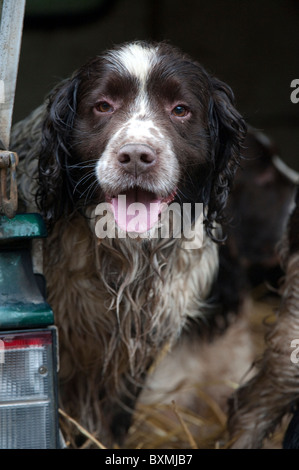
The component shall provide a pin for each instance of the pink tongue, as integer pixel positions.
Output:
(136, 211)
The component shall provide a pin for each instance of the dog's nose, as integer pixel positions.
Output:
(136, 158)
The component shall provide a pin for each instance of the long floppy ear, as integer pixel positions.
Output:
(227, 132)
(54, 196)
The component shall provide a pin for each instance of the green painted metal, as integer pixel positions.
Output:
(22, 304)
(18, 316)
(22, 226)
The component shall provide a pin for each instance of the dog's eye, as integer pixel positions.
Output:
(104, 107)
(180, 111)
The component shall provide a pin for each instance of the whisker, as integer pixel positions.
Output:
(191, 179)
(90, 195)
(90, 191)
(179, 193)
(82, 165)
(84, 178)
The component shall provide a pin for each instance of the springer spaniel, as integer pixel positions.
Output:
(261, 403)
(142, 123)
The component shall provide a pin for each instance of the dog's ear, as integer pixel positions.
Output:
(227, 131)
(54, 196)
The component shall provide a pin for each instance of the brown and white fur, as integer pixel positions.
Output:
(140, 119)
(260, 404)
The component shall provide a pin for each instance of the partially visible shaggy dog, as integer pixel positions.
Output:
(146, 122)
(259, 405)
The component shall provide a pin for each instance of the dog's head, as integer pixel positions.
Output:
(143, 121)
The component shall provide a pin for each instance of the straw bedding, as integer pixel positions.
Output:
(191, 412)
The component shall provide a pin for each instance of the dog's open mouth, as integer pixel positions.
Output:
(138, 210)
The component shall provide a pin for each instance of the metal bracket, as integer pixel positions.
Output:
(8, 200)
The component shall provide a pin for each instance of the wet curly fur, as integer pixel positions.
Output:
(117, 302)
(259, 405)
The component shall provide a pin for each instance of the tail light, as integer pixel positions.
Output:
(28, 398)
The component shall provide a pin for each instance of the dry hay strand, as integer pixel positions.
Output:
(70, 440)
(158, 427)
(170, 426)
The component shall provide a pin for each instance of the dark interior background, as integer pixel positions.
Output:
(252, 45)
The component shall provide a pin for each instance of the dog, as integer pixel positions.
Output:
(209, 361)
(258, 207)
(142, 123)
(260, 404)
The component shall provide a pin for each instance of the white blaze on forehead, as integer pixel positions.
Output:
(139, 130)
(139, 125)
(136, 59)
